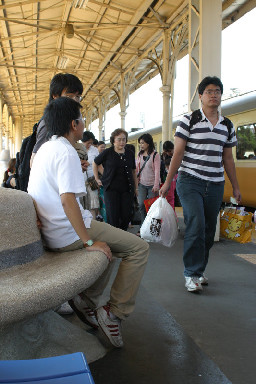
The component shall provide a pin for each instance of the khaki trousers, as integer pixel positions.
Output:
(134, 254)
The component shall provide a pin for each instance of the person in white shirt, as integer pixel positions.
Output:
(56, 183)
(92, 201)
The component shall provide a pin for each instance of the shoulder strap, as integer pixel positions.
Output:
(229, 125)
(147, 158)
(154, 156)
(196, 116)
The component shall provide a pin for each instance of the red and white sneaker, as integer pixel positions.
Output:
(85, 314)
(110, 327)
(203, 280)
(193, 284)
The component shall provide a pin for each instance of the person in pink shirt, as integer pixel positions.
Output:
(148, 172)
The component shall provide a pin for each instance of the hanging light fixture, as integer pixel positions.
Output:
(69, 31)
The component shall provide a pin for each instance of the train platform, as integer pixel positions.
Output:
(177, 337)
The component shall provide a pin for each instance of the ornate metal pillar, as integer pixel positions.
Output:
(7, 130)
(123, 97)
(88, 120)
(102, 116)
(11, 136)
(122, 91)
(166, 90)
(172, 44)
(18, 128)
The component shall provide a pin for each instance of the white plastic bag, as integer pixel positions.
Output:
(160, 224)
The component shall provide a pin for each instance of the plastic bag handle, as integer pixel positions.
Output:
(161, 201)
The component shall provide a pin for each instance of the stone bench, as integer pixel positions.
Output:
(33, 282)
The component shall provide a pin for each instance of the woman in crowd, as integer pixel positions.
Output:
(119, 179)
(101, 146)
(103, 215)
(9, 179)
(148, 172)
(92, 197)
(168, 149)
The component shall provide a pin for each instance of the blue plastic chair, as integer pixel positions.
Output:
(66, 369)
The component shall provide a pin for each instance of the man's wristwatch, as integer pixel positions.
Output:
(88, 243)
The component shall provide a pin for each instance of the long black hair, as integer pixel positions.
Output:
(11, 169)
(149, 140)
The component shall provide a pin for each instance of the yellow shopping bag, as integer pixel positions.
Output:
(236, 227)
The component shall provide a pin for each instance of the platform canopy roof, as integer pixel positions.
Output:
(96, 40)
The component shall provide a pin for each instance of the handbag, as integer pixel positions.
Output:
(149, 202)
(234, 226)
(92, 183)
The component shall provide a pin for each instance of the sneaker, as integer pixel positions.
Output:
(111, 328)
(86, 314)
(203, 280)
(193, 284)
(99, 218)
(65, 309)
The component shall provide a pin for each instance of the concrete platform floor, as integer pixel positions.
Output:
(177, 337)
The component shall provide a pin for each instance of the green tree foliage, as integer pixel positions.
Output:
(246, 137)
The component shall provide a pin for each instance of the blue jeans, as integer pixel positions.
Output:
(201, 201)
(144, 193)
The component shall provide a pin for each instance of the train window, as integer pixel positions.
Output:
(246, 142)
(161, 147)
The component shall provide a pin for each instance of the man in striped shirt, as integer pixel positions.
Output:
(202, 149)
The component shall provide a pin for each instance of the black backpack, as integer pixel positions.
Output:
(23, 160)
(196, 116)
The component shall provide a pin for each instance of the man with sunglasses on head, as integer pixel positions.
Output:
(203, 145)
(62, 85)
(56, 184)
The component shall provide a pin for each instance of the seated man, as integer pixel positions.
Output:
(56, 183)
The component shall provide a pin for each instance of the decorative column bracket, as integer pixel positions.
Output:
(102, 108)
(173, 42)
(88, 118)
(122, 91)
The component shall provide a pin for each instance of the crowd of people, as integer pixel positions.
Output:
(85, 193)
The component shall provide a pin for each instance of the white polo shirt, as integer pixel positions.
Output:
(56, 170)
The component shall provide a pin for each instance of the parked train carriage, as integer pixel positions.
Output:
(241, 111)
(245, 157)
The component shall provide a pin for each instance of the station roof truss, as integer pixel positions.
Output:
(100, 41)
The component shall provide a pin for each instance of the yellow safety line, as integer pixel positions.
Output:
(248, 257)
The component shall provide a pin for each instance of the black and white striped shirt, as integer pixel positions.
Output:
(204, 148)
